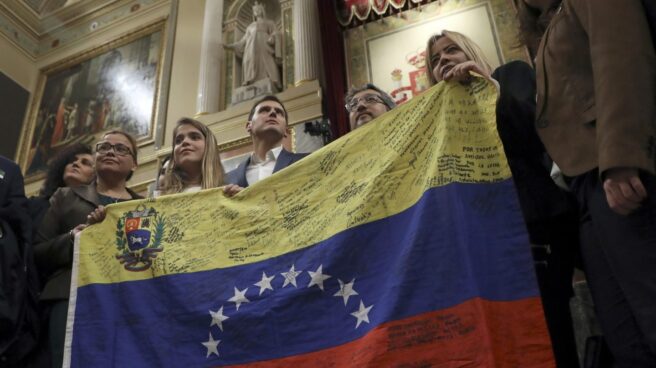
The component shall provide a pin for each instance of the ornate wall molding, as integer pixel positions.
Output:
(38, 35)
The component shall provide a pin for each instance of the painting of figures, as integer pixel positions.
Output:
(112, 88)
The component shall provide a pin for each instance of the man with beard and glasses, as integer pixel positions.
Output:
(366, 103)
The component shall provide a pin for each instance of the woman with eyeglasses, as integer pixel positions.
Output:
(547, 210)
(195, 163)
(71, 210)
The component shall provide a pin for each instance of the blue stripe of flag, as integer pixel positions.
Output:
(456, 243)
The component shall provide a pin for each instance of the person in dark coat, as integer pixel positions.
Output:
(596, 87)
(71, 167)
(19, 318)
(71, 209)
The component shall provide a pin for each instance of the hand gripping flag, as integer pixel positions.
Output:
(399, 245)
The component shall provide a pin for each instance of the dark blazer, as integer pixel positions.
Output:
(19, 286)
(286, 158)
(597, 87)
(38, 206)
(53, 251)
(13, 204)
(539, 197)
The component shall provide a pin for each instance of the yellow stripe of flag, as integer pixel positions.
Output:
(446, 135)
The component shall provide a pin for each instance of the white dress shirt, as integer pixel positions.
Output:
(261, 169)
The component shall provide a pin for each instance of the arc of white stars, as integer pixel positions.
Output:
(290, 276)
(239, 297)
(318, 277)
(346, 290)
(265, 283)
(212, 346)
(362, 314)
(218, 318)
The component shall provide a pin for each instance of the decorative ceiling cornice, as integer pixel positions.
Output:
(24, 16)
(13, 29)
(42, 23)
(37, 35)
(71, 14)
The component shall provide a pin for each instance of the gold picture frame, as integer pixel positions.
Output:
(116, 85)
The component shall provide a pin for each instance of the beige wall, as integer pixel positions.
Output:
(303, 103)
(182, 87)
(15, 64)
(186, 64)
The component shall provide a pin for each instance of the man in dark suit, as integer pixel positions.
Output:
(19, 321)
(267, 125)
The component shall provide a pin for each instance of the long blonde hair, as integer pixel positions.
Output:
(211, 169)
(469, 47)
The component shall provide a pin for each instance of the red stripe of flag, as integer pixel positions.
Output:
(476, 333)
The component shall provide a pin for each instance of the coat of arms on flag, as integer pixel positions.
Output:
(139, 236)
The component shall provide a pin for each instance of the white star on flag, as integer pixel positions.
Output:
(211, 346)
(218, 318)
(362, 314)
(290, 276)
(346, 290)
(265, 283)
(240, 297)
(317, 278)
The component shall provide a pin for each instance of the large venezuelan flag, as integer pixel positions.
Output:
(398, 245)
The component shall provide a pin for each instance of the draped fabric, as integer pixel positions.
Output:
(348, 10)
(332, 43)
(399, 244)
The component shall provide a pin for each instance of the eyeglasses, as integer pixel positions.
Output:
(366, 99)
(119, 149)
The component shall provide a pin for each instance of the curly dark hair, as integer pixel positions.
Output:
(55, 176)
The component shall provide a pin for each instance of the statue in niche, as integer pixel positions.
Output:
(260, 51)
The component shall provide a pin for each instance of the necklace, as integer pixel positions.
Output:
(105, 199)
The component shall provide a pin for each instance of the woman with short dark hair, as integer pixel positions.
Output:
(71, 167)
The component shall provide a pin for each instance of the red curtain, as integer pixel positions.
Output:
(332, 43)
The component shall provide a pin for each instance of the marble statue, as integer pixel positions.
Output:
(260, 51)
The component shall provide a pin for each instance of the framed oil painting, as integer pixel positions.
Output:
(113, 86)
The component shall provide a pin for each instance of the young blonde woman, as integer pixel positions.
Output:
(548, 212)
(195, 163)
